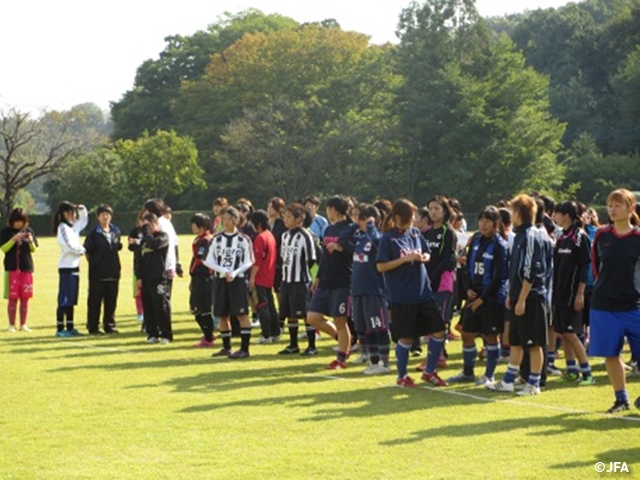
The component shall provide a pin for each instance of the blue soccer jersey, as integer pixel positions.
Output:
(335, 268)
(365, 278)
(409, 283)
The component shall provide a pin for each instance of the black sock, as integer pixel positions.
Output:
(311, 336)
(226, 339)
(372, 344)
(206, 325)
(69, 312)
(245, 338)
(383, 346)
(293, 334)
(60, 318)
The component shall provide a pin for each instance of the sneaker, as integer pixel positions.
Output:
(239, 354)
(634, 372)
(11, 329)
(376, 369)
(529, 390)
(140, 318)
(302, 336)
(406, 382)
(275, 339)
(309, 352)
(255, 324)
(203, 343)
(223, 352)
(164, 341)
(416, 352)
(422, 366)
(619, 406)
(434, 379)
(63, 334)
(585, 382)
(74, 333)
(462, 378)
(152, 340)
(264, 341)
(362, 359)
(483, 380)
(570, 377)
(501, 386)
(503, 359)
(553, 370)
(96, 333)
(25, 328)
(336, 365)
(113, 331)
(289, 350)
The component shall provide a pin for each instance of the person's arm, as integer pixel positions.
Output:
(82, 220)
(247, 260)
(259, 253)
(583, 268)
(211, 262)
(448, 257)
(68, 245)
(533, 256)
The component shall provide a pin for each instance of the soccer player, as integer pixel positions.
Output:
(402, 255)
(318, 223)
(486, 278)
(201, 286)
(571, 259)
(526, 298)
(369, 307)
(298, 255)
(331, 286)
(615, 306)
(230, 256)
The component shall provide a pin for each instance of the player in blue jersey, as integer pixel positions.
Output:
(369, 308)
(486, 288)
(615, 306)
(402, 256)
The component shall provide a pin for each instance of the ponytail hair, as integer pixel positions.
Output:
(622, 195)
(58, 217)
(570, 208)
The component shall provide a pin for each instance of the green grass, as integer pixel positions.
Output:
(118, 408)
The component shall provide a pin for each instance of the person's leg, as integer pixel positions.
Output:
(110, 301)
(263, 311)
(94, 300)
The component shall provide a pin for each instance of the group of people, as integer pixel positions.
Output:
(369, 275)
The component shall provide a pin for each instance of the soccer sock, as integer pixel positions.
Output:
(206, 325)
(558, 343)
(384, 346)
(622, 396)
(11, 310)
(434, 349)
(69, 312)
(362, 341)
(402, 358)
(534, 379)
(493, 352)
(293, 334)
(469, 355)
(372, 343)
(342, 356)
(60, 318)
(245, 338)
(311, 336)
(586, 370)
(226, 339)
(551, 358)
(512, 373)
(572, 367)
(24, 311)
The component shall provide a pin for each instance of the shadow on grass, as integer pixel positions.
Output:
(629, 455)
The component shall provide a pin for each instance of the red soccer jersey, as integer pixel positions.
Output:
(264, 252)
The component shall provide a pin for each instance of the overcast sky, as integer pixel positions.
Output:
(56, 54)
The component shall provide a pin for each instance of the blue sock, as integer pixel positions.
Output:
(622, 396)
(551, 358)
(586, 370)
(493, 352)
(572, 367)
(512, 373)
(534, 379)
(505, 351)
(434, 349)
(402, 358)
(469, 355)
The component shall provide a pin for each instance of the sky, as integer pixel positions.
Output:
(57, 54)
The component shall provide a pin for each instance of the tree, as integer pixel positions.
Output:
(31, 149)
(158, 165)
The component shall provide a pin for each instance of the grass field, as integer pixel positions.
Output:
(114, 407)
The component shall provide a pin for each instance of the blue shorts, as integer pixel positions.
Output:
(68, 286)
(332, 303)
(370, 313)
(608, 330)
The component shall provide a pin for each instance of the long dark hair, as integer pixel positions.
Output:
(570, 208)
(492, 214)
(58, 218)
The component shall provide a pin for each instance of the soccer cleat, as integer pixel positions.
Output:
(553, 370)
(336, 365)
(434, 379)
(25, 328)
(63, 334)
(11, 329)
(289, 350)
(264, 340)
(239, 354)
(223, 352)
(500, 386)
(619, 406)
(586, 382)
(634, 372)
(529, 390)
(164, 341)
(309, 352)
(152, 340)
(483, 380)
(416, 352)
(74, 333)
(462, 378)
(376, 369)
(362, 359)
(570, 377)
(406, 382)
(203, 343)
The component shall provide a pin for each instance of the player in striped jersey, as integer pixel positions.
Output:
(230, 256)
(298, 254)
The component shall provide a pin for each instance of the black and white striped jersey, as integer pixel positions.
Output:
(230, 253)
(298, 253)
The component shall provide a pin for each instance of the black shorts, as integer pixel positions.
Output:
(332, 303)
(370, 313)
(414, 321)
(201, 295)
(444, 302)
(488, 319)
(293, 300)
(531, 328)
(230, 298)
(567, 320)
